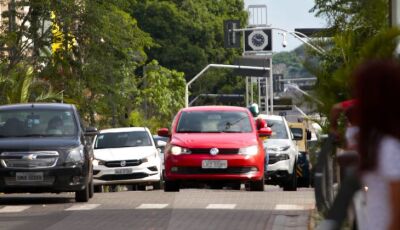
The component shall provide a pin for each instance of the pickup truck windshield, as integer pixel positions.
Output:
(37, 123)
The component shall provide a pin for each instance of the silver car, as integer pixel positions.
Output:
(282, 152)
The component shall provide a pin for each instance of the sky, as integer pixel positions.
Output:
(288, 14)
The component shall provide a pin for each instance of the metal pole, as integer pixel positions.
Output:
(271, 86)
(259, 90)
(247, 92)
(305, 93)
(394, 13)
(186, 95)
(217, 66)
(12, 28)
(251, 91)
(266, 95)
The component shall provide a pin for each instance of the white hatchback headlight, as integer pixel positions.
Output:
(278, 148)
(177, 150)
(97, 162)
(249, 150)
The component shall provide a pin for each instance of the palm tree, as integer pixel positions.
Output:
(22, 86)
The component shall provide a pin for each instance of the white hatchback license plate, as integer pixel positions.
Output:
(123, 171)
(29, 176)
(214, 164)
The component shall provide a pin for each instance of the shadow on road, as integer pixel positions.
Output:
(28, 199)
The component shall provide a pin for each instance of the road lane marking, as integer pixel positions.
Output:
(8, 209)
(221, 206)
(289, 207)
(152, 206)
(81, 207)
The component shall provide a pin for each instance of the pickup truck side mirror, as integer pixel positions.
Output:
(91, 131)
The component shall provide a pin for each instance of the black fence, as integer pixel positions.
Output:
(335, 183)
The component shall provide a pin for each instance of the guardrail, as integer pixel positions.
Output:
(333, 200)
(323, 175)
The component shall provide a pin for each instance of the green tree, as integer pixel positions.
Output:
(162, 96)
(94, 67)
(21, 86)
(360, 32)
(189, 33)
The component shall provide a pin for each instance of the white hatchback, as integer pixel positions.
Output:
(126, 156)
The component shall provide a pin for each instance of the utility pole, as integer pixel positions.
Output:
(12, 28)
(258, 43)
(394, 13)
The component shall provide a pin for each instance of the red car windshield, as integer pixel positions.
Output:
(214, 122)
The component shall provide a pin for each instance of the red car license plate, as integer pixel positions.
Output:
(214, 164)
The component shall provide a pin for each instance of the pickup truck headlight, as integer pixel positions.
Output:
(177, 150)
(75, 156)
(249, 150)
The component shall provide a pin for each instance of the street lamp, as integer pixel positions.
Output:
(218, 66)
(296, 87)
(284, 41)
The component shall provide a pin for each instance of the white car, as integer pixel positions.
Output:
(126, 156)
(282, 152)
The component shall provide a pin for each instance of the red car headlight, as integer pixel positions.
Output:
(177, 150)
(249, 150)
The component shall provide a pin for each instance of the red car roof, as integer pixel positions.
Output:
(215, 108)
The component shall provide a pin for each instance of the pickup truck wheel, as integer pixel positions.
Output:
(98, 188)
(82, 195)
(291, 183)
(91, 189)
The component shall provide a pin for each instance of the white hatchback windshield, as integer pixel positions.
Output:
(122, 139)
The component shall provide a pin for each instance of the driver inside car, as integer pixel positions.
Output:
(55, 126)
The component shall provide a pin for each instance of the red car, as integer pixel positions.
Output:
(216, 145)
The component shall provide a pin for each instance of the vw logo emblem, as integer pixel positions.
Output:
(214, 151)
(123, 163)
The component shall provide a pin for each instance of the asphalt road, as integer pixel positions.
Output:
(152, 210)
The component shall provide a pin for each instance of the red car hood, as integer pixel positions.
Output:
(211, 140)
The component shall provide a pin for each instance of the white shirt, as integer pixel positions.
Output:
(378, 209)
(351, 136)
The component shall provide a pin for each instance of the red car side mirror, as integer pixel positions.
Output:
(265, 132)
(163, 132)
(260, 123)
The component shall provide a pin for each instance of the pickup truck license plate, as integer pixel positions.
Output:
(29, 176)
(214, 164)
(123, 171)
